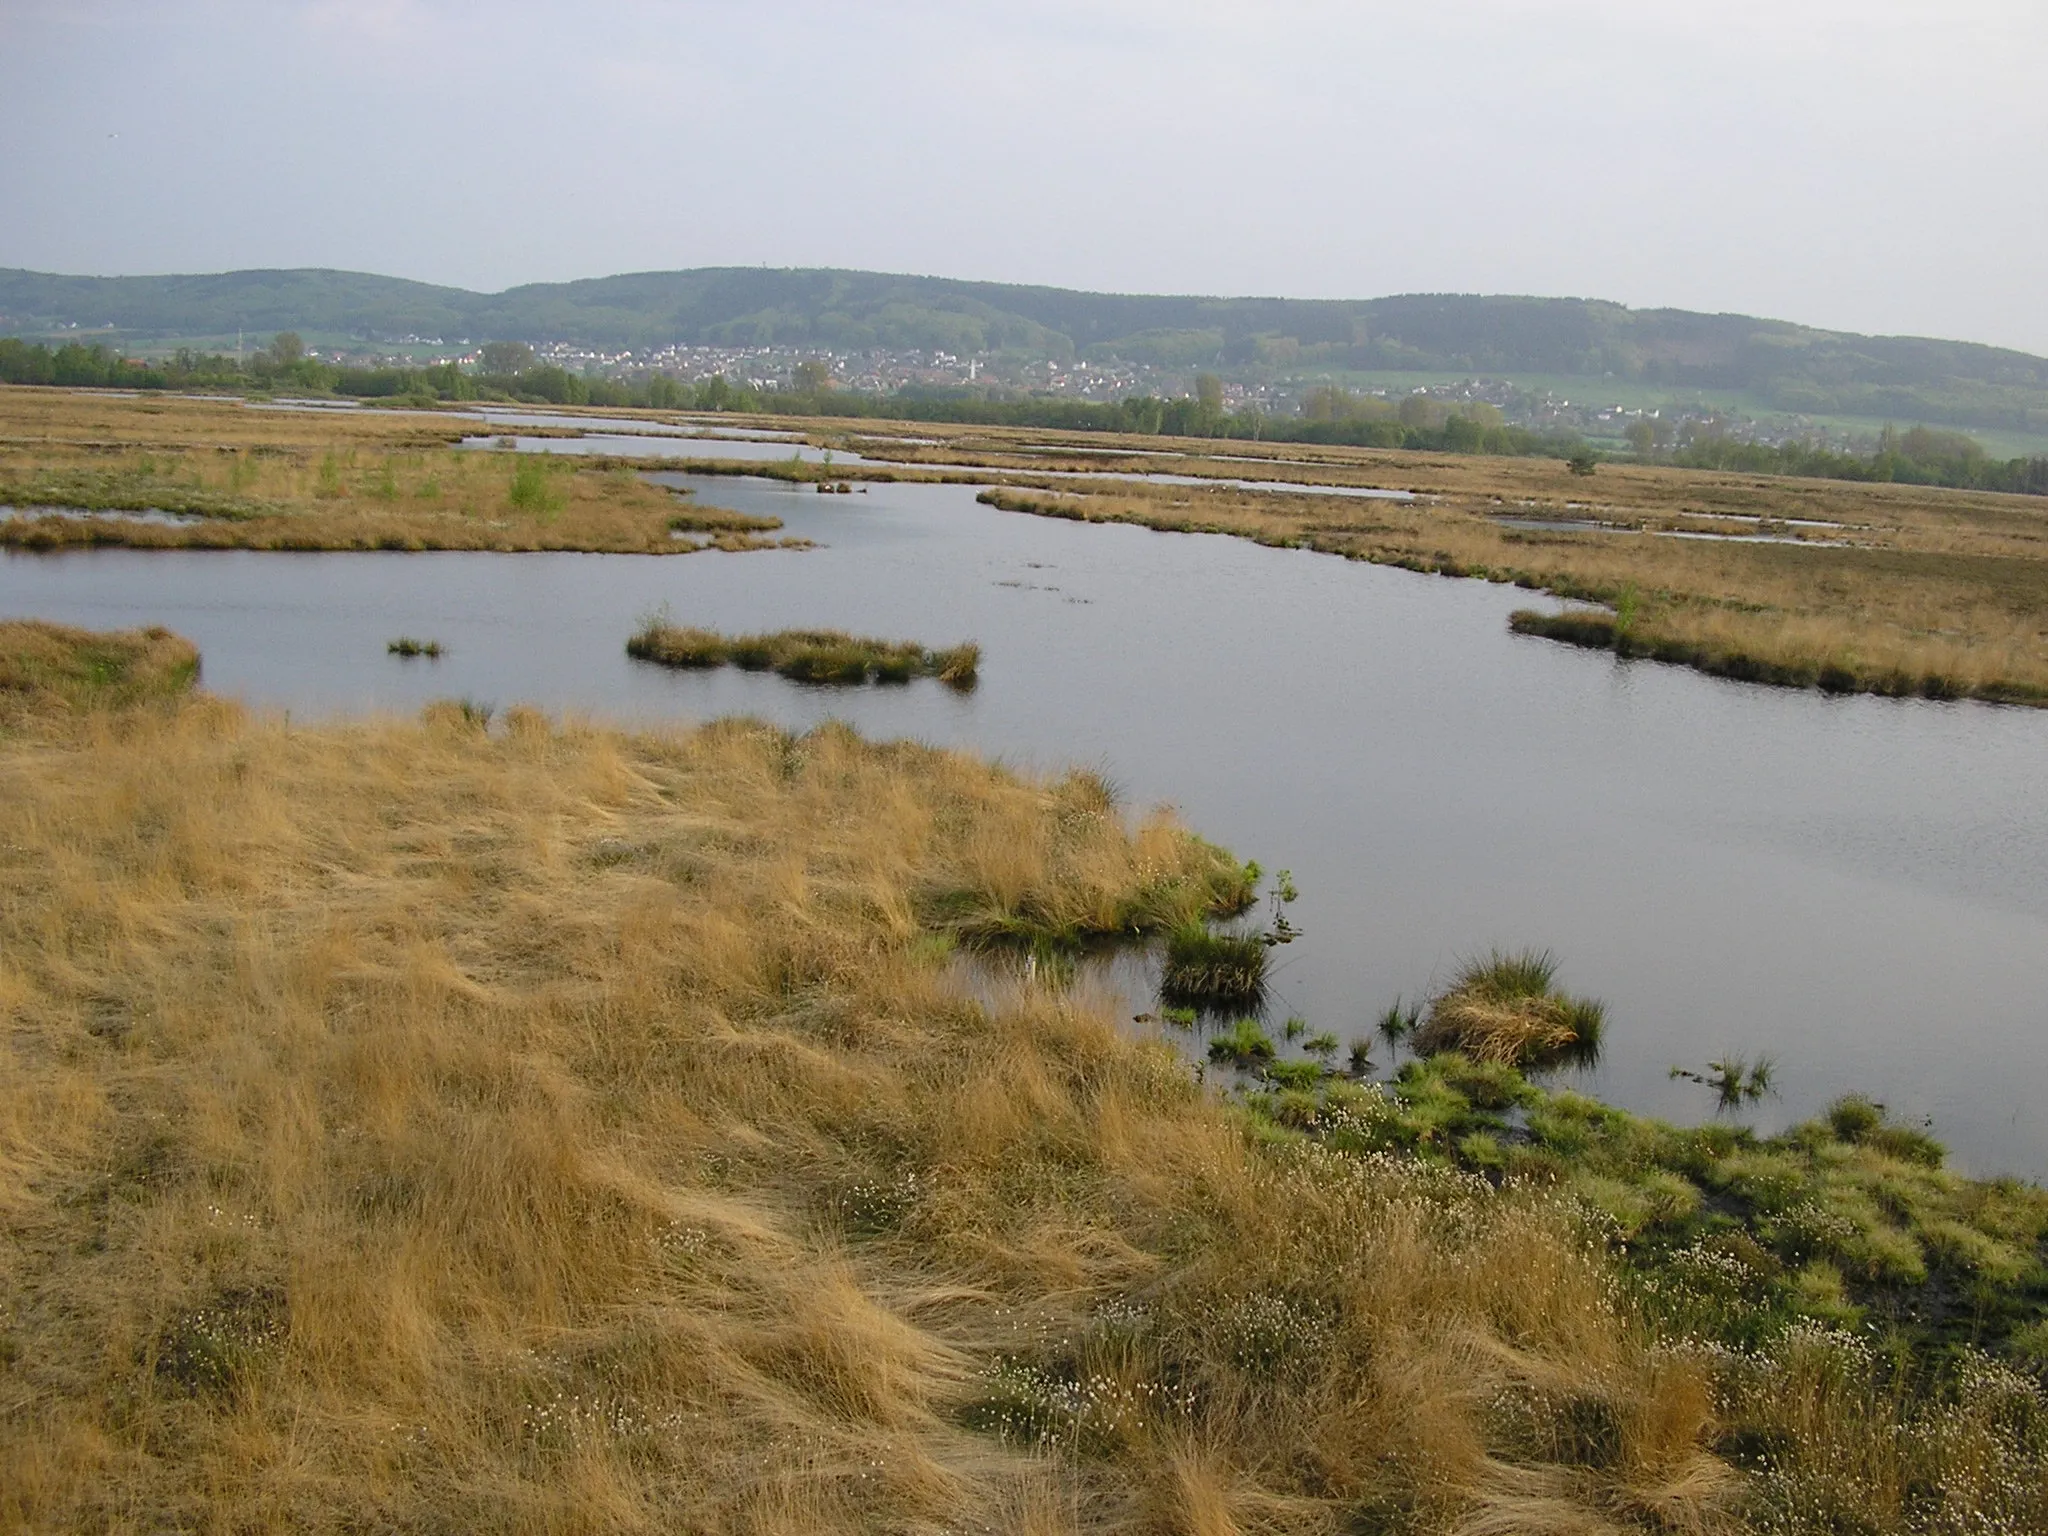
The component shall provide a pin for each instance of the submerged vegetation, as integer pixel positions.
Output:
(491, 1123)
(807, 655)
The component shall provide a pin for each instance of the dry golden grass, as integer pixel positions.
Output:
(49, 666)
(406, 1127)
(308, 480)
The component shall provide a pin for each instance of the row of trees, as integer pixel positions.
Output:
(1917, 456)
(510, 371)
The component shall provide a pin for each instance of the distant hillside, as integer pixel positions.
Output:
(1793, 367)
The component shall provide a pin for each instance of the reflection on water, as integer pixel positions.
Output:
(1856, 886)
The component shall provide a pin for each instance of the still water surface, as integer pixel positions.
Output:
(1856, 886)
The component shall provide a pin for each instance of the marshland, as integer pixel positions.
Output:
(1437, 784)
(521, 1123)
(686, 1081)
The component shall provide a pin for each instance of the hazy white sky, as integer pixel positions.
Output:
(1877, 165)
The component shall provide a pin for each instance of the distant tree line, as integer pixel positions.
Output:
(1917, 456)
(510, 371)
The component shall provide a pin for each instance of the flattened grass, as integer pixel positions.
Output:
(825, 656)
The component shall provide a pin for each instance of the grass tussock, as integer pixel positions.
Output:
(1506, 1009)
(828, 656)
(242, 478)
(508, 1125)
(49, 666)
(1205, 969)
(407, 645)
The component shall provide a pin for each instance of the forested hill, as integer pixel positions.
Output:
(1792, 366)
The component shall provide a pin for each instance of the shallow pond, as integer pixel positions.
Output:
(1856, 886)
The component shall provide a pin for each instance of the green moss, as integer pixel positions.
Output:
(1847, 1221)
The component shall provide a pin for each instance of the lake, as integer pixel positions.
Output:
(1856, 886)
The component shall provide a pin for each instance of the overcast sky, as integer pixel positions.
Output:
(1874, 165)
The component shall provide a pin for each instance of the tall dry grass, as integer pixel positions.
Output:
(408, 1127)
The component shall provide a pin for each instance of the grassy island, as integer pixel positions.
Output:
(91, 470)
(807, 655)
(513, 1125)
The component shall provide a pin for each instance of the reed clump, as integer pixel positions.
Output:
(407, 645)
(1207, 969)
(827, 656)
(1506, 1008)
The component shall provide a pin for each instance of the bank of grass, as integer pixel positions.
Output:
(1787, 654)
(829, 656)
(502, 1124)
(46, 667)
(233, 477)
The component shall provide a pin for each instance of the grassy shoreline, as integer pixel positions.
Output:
(418, 1125)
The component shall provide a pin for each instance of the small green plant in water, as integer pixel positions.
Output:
(1398, 1023)
(406, 645)
(1243, 1045)
(1735, 1081)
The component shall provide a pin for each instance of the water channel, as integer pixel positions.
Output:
(1857, 887)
